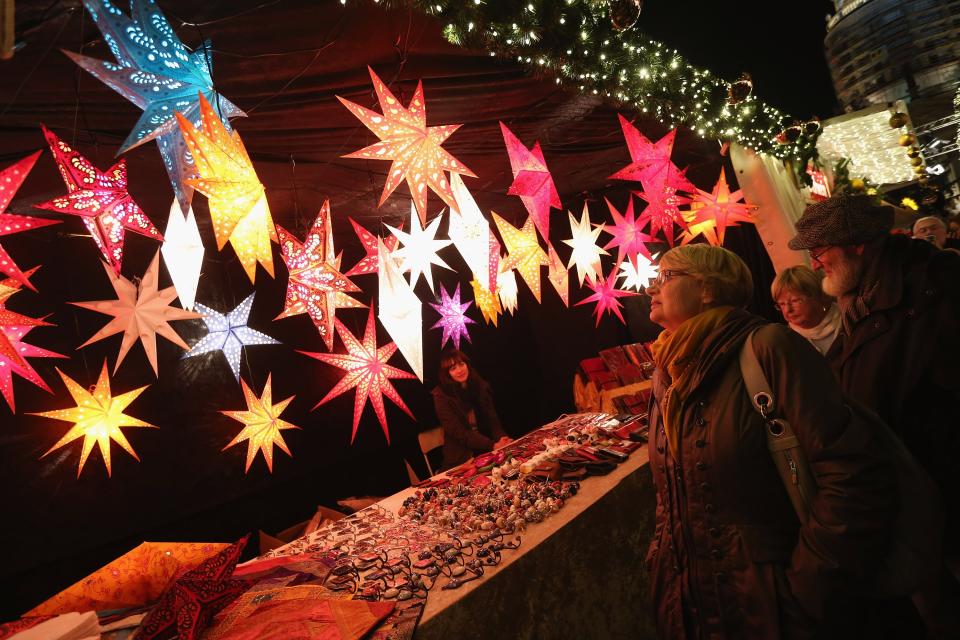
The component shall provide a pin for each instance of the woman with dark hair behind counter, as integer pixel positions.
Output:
(465, 409)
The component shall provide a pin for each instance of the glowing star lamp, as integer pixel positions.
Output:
(721, 208)
(261, 425)
(315, 285)
(663, 209)
(13, 351)
(229, 333)
(508, 291)
(401, 312)
(487, 301)
(531, 181)
(418, 250)
(100, 199)
(140, 312)
(182, 252)
(237, 201)
(157, 73)
(369, 241)
(586, 254)
(471, 235)
(558, 275)
(605, 295)
(627, 235)
(453, 317)
(412, 146)
(523, 252)
(637, 276)
(367, 372)
(11, 179)
(650, 161)
(97, 418)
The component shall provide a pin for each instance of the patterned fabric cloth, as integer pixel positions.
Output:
(840, 221)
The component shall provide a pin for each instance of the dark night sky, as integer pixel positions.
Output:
(780, 44)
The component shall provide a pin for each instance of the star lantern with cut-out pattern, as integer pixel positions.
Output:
(236, 197)
(315, 285)
(524, 252)
(100, 199)
(487, 301)
(11, 178)
(98, 418)
(412, 146)
(453, 317)
(606, 296)
(368, 264)
(261, 425)
(662, 212)
(367, 372)
(531, 181)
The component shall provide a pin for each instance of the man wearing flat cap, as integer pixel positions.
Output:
(899, 350)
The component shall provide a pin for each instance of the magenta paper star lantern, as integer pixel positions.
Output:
(369, 241)
(11, 179)
(100, 199)
(315, 285)
(367, 372)
(412, 146)
(650, 160)
(663, 208)
(627, 234)
(13, 351)
(605, 295)
(558, 275)
(453, 317)
(531, 181)
(713, 212)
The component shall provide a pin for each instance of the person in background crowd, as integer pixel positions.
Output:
(806, 308)
(899, 349)
(953, 227)
(932, 229)
(465, 409)
(729, 558)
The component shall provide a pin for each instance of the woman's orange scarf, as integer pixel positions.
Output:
(676, 353)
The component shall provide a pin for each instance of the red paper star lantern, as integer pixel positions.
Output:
(531, 181)
(605, 294)
(413, 147)
(663, 210)
(11, 179)
(651, 161)
(100, 199)
(369, 241)
(367, 372)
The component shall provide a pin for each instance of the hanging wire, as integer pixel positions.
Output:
(16, 94)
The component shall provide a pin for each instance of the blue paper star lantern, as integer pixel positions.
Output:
(156, 72)
(453, 317)
(229, 333)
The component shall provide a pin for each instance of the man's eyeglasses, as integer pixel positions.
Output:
(816, 255)
(665, 276)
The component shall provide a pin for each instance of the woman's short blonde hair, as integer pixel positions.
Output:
(802, 280)
(722, 271)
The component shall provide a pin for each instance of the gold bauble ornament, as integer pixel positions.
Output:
(907, 140)
(898, 120)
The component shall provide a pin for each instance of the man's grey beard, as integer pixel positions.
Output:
(845, 278)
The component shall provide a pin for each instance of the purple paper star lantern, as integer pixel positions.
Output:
(453, 317)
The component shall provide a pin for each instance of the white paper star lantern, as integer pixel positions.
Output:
(183, 254)
(418, 250)
(401, 312)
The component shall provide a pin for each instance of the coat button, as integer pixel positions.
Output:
(701, 443)
(715, 554)
(701, 421)
(911, 312)
(701, 466)
(876, 325)
(720, 577)
(709, 508)
(705, 486)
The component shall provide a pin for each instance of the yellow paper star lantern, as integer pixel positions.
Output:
(97, 418)
(523, 251)
(238, 202)
(487, 301)
(261, 425)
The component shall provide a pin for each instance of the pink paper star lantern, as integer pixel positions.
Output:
(627, 234)
(11, 179)
(605, 295)
(531, 181)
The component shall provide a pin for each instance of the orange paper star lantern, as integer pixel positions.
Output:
(412, 146)
(523, 251)
(711, 213)
(261, 425)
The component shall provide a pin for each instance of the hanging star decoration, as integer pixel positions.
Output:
(662, 212)
(418, 249)
(401, 312)
(558, 275)
(605, 295)
(11, 179)
(508, 291)
(472, 236)
(650, 161)
(413, 147)
(487, 301)
(315, 286)
(523, 252)
(531, 181)
(453, 317)
(237, 200)
(100, 199)
(586, 254)
(367, 372)
(637, 276)
(712, 213)
(182, 252)
(157, 73)
(98, 418)
(141, 311)
(627, 234)
(369, 241)
(261, 425)
(229, 333)
(13, 351)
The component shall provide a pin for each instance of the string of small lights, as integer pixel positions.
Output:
(581, 45)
